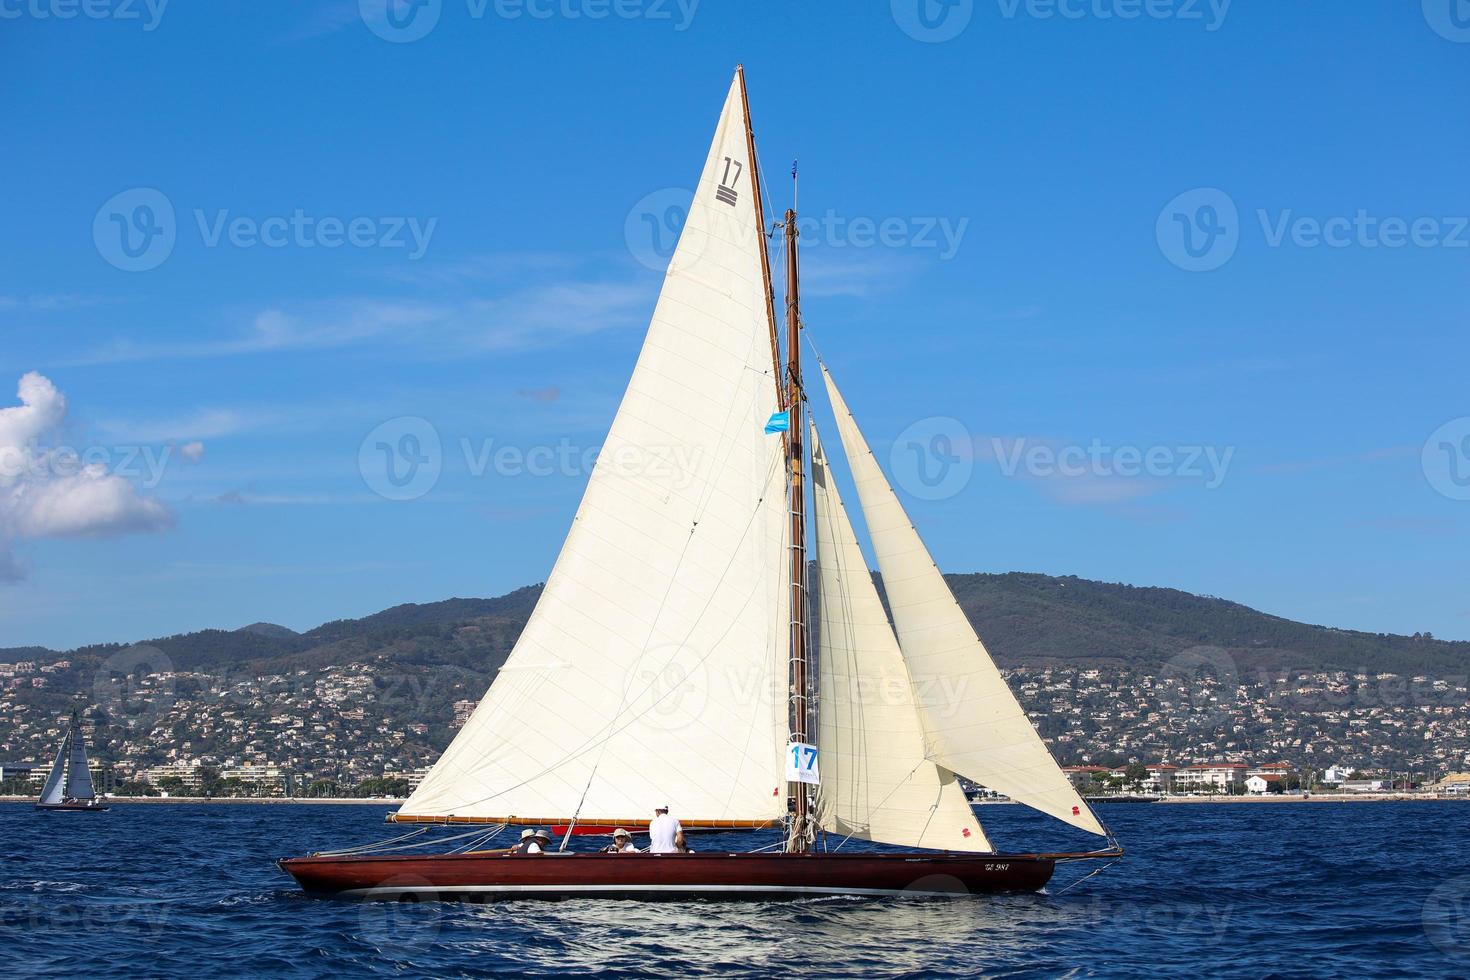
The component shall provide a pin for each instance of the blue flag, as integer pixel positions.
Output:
(779, 422)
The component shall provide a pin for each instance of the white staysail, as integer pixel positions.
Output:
(975, 725)
(876, 782)
(54, 790)
(653, 669)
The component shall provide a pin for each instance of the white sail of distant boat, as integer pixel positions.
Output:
(69, 784)
(973, 723)
(653, 667)
(55, 789)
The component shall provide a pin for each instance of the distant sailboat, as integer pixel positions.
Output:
(688, 558)
(69, 785)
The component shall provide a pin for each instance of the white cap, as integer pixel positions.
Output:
(620, 832)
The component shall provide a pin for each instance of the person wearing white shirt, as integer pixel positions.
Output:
(665, 836)
(622, 843)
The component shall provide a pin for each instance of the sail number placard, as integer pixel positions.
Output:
(801, 763)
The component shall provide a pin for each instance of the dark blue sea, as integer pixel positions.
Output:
(1355, 889)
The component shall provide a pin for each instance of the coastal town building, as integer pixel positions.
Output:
(1214, 777)
(1260, 784)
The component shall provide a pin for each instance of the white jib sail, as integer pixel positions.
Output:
(653, 669)
(876, 782)
(54, 790)
(975, 725)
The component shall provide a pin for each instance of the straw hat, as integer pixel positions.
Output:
(620, 833)
(527, 834)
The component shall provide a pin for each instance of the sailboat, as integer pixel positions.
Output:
(69, 784)
(670, 658)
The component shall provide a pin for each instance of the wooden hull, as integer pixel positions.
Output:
(666, 876)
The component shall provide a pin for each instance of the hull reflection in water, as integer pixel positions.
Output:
(667, 876)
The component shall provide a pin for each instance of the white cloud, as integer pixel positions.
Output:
(527, 317)
(48, 493)
(192, 452)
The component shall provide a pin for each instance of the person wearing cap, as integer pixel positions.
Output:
(665, 836)
(622, 843)
(532, 842)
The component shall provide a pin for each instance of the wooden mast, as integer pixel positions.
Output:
(760, 223)
(801, 818)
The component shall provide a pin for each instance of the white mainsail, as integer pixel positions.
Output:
(653, 669)
(54, 791)
(78, 773)
(974, 724)
(876, 782)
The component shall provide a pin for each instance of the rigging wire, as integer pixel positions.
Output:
(1079, 881)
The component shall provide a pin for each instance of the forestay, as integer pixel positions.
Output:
(876, 783)
(973, 723)
(653, 668)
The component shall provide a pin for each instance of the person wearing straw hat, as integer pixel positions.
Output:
(622, 843)
(532, 842)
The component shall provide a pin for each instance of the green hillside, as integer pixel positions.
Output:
(1023, 618)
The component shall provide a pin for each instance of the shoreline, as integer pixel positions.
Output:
(1320, 798)
(344, 800)
(1185, 800)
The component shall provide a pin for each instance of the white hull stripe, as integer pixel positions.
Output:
(603, 889)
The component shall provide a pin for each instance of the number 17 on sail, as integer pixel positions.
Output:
(801, 763)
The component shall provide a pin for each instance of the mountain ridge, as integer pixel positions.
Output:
(1023, 618)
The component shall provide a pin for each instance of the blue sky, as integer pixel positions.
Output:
(1225, 239)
